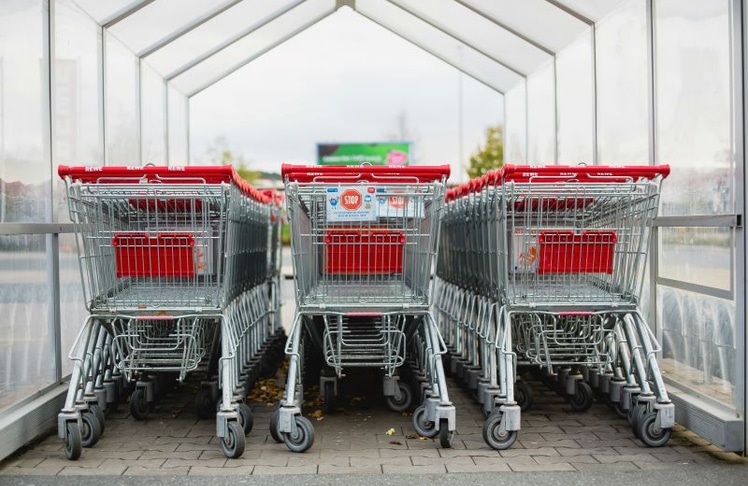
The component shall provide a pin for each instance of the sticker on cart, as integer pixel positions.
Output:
(395, 204)
(203, 251)
(525, 252)
(354, 203)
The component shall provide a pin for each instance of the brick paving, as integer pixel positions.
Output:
(355, 440)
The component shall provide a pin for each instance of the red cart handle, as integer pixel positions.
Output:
(363, 173)
(581, 173)
(163, 175)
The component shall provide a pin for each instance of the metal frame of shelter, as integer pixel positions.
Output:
(462, 33)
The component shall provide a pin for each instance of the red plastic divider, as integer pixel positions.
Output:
(374, 252)
(563, 251)
(161, 255)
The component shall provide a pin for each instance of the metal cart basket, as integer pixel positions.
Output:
(363, 242)
(543, 267)
(175, 269)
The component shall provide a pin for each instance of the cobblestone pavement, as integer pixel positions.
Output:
(365, 438)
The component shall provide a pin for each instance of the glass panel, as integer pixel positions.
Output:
(24, 157)
(541, 117)
(77, 114)
(252, 46)
(699, 343)
(575, 108)
(622, 86)
(234, 23)
(102, 11)
(153, 116)
(696, 255)
(515, 136)
(592, 9)
(122, 144)
(178, 126)
(78, 141)
(538, 20)
(73, 311)
(158, 20)
(479, 33)
(694, 97)
(450, 50)
(27, 343)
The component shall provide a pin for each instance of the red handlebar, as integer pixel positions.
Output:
(357, 173)
(581, 173)
(162, 174)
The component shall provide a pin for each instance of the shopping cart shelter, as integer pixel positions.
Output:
(604, 262)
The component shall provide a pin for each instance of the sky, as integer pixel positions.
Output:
(345, 79)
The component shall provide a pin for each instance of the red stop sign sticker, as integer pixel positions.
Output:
(351, 199)
(398, 202)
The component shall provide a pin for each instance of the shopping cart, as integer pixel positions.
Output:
(563, 251)
(363, 242)
(175, 269)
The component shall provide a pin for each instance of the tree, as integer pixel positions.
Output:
(491, 155)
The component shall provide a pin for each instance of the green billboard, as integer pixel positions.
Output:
(387, 153)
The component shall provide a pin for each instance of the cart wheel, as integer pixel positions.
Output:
(204, 406)
(73, 442)
(582, 398)
(233, 444)
(446, 436)
(424, 427)
(330, 400)
(274, 427)
(406, 399)
(494, 436)
(304, 437)
(139, 407)
(635, 416)
(90, 432)
(649, 433)
(523, 394)
(99, 414)
(245, 417)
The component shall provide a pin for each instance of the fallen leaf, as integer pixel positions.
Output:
(416, 437)
(390, 432)
(396, 442)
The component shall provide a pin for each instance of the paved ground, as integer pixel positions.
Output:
(355, 442)
(352, 447)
